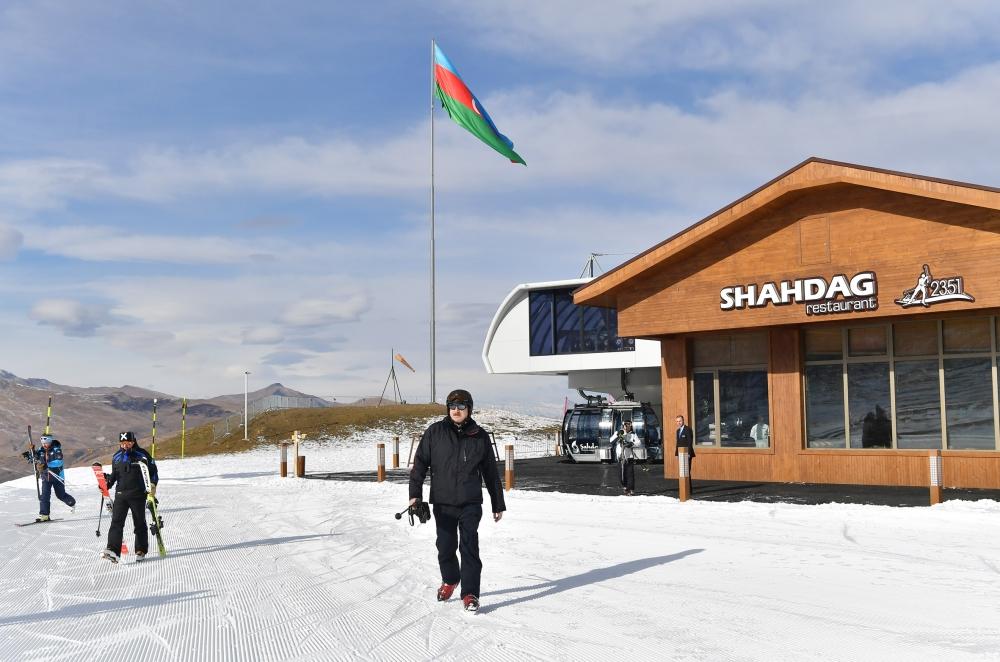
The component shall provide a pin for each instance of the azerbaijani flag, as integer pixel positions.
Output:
(463, 107)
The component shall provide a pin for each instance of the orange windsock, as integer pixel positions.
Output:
(399, 357)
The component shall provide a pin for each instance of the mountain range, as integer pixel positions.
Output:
(87, 420)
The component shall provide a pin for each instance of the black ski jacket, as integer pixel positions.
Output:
(460, 461)
(126, 474)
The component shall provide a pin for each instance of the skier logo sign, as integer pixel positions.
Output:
(929, 290)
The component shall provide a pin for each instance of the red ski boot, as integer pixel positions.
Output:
(445, 591)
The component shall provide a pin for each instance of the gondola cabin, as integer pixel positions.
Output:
(588, 430)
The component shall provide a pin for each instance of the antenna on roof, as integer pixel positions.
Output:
(588, 268)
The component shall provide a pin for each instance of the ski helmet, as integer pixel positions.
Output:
(460, 395)
(126, 436)
(47, 439)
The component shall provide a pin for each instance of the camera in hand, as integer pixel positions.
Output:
(420, 510)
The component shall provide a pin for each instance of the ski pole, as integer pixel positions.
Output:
(34, 465)
(56, 476)
(100, 514)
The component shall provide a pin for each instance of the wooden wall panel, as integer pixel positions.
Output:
(742, 464)
(898, 468)
(676, 397)
(892, 234)
(974, 470)
(785, 400)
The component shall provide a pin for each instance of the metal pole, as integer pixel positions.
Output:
(184, 413)
(48, 417)
(395, 452)
(433, 294)
(153, 449)
(246, 415)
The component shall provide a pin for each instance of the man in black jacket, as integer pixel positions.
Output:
(460, 456)
(130, 495)
(685, 439)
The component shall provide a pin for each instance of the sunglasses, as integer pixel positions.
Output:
(460, 406)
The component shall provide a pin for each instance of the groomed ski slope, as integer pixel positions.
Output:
(264, 568)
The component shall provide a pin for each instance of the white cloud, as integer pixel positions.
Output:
(73, 318)
(109, 244)
(759, 36)
(11, 241)
(263, 335)
(320, 312)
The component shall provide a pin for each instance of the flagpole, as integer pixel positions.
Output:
(433, 306)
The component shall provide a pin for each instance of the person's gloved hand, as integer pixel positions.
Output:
(152, 489)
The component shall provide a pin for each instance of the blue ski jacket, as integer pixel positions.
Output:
(126, 474)
(52, 459)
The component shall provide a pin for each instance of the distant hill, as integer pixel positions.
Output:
(88, 419)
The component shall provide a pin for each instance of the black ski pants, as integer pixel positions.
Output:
(627, 475)
(48, 485)
(137, 504)
(458, 530)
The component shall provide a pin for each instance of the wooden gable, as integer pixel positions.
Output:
(822, 225)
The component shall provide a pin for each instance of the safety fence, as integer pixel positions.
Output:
(234, 422)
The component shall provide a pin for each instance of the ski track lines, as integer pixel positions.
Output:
(261, 568)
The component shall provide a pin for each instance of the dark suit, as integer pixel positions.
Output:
(685, 438)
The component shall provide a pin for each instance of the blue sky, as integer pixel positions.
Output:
(191, 190)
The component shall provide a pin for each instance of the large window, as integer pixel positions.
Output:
(558, 326)
(729, 391)
(912, 385)
(824, 406)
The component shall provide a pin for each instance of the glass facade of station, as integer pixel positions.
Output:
(921, 384)
(558, 326)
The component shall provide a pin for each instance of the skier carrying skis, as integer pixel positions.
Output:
(49, 463)
(130, 495)
(460, 456)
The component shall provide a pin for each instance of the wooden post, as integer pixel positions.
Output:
(936, 477)
(284, 459)
(381, 462)
(395, 452)
(414, 444)
(509, 470)
(558, 436)
(683, 474)
(300, 461)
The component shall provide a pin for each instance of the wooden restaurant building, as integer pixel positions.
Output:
(837, 325)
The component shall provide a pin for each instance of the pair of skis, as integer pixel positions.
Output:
(157, 525)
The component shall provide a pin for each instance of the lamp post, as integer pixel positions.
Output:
(246, 414)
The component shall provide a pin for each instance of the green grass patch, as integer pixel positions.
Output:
(277, 426)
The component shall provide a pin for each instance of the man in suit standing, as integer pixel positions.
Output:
(685, 439)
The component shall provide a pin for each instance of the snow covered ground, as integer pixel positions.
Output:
(264, 568)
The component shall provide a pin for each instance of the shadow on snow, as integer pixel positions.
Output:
(104, 607)
(264, 542)
(585, 578)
